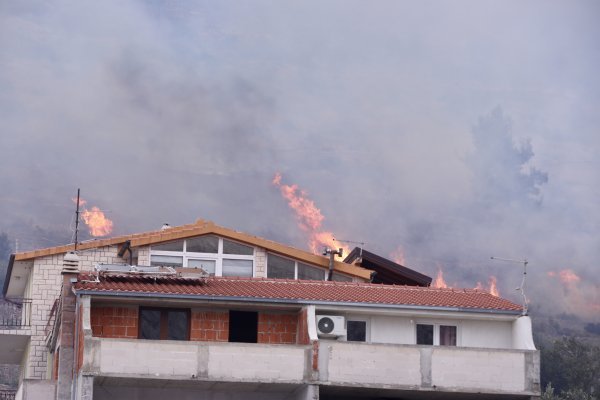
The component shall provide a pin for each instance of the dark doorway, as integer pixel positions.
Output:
(243, 326)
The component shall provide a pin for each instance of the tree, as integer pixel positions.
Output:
(571, 367)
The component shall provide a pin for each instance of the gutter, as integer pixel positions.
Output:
(8, 273)
(302, 302)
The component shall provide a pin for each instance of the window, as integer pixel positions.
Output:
(164, 324)
(438, 335)
(214, 255)
(356, 331)
(243, 326)
(285, 268)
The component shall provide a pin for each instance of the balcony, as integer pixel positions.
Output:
(15, 313)
(426, 368)
(196, 361)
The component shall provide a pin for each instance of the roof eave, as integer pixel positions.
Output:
(303, 302)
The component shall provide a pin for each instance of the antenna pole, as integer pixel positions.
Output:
(523, 281)
(77, 219)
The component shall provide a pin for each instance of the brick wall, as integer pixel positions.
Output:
(277, 328)
(114, 322)
(302, 336)
(210, 326)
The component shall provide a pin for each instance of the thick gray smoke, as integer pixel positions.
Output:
(452, 131)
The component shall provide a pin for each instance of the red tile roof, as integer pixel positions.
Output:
(295, 291)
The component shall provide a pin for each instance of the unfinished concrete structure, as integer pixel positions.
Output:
(227, 315)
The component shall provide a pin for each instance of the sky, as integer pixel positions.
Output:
(440, 132)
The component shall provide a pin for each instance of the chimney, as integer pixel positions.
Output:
(70, 263)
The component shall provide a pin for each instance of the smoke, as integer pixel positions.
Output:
(386, 113)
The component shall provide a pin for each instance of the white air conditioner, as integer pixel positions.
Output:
(331, 325)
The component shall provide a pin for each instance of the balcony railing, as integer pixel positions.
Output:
(7, 394)
(15, 312)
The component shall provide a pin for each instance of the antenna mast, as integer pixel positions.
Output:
(523, 282)
(77, 219)
(362, 244)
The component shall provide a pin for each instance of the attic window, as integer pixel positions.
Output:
(285, 268)
(214, 255)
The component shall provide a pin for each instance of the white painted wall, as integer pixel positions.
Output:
(471, 333)
(486, 334)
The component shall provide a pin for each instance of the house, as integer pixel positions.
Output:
(201, 311)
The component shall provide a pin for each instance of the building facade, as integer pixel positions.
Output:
(216, 313)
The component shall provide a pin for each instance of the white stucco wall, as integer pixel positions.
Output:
(486, 334)
(470, 333)
(397, 330)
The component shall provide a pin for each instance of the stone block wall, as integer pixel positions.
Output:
(45, 287)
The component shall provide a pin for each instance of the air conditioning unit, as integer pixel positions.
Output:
(331, 325)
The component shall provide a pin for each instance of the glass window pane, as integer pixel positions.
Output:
(340, 278)
(177, 325)
(310, 273)
(230, 247)
(237, 267)
(424, 334)
(203, 244)
(207, 266)
(279, 267)
(356, 331)
(166, 261)
(149, 324)
(169, 246)
(447, 335)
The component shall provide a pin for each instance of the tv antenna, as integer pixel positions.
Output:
(77, 219)
(362, 244)
(523, 282)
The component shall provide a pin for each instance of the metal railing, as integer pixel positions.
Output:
(7, 394)
(15, 312)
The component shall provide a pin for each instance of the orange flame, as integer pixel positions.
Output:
(398, 256)
(568, 277)
(309, 217)
(95, 219)
(493, 287)
(439, 282)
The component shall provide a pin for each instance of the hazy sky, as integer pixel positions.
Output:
(451, 130)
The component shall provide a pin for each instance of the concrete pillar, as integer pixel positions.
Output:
(85, 387)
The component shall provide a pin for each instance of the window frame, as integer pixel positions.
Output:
(436, 332)
(216, 257)
(164, 322)
(367, 322)
(296, 263)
